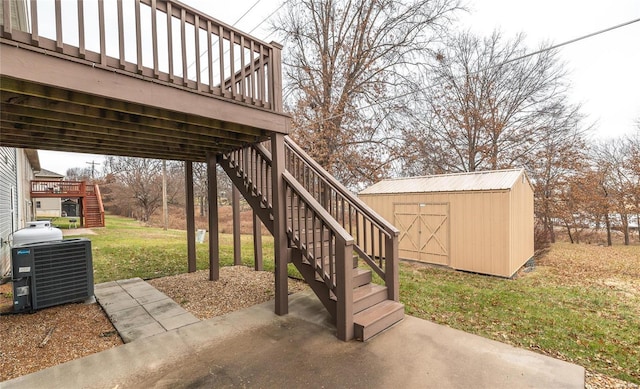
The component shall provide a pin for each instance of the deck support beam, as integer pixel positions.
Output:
(257, 242)
(235, 200)
(191, 221)
(279, 224)
(214, 243)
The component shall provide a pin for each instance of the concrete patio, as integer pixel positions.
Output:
(255, 348)
(139, 310)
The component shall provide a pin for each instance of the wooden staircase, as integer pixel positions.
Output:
(93, 208)
(326, 226)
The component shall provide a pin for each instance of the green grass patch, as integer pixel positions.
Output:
(581, 305)
(126, 249)
(595, 327)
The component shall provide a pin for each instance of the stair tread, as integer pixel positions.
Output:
(358, 270)
(377, 312)
(366, 290)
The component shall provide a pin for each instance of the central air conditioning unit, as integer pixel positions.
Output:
(51, 273)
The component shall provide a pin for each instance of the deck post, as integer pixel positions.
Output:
(235, 206)
(279, 224)
(191, 222)
(214, 244)
(276, 76)
(391, 270)
(257, 242)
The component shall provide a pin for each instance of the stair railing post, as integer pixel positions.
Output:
(344, 289)
(391, 267)
(276, 77)
(279, 224)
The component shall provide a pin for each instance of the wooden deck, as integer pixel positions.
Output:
(202, 91)
(59, 95)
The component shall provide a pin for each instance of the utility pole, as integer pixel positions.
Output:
(93, 168)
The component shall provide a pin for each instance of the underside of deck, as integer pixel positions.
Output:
(53, 104)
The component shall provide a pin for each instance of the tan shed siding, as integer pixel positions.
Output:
(478, 225)
(479, 222)
(522, 224)
(490, 229)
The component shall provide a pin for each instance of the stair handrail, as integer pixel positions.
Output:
(383, 224)
(336, 274)
(374, 248)
(96, 190)
(376, 241)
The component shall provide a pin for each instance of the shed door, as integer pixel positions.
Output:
(424, 231)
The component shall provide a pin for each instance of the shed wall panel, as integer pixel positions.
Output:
(478, 226)
(522, 224)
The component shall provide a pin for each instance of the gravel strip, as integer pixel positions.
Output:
(238, 287)
(76, 330)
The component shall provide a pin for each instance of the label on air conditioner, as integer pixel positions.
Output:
(24, 269)
(22, 291)
(23, 251)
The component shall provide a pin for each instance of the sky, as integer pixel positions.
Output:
(604, 71)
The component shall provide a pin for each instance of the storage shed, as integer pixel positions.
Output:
(480, 222)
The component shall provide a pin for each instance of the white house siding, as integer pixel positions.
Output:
(8, 204)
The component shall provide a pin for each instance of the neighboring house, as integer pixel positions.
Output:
(52, 206)
(17, 167)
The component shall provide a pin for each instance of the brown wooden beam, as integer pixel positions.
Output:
(162, 118)
(43, 138)
(214, 244)
(235, 206)
(257, 243)
(279, 225)
(191, 222)
(13, 140)
(143, 127)
(97, 132)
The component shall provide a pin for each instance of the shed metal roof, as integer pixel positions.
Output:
(458, 182)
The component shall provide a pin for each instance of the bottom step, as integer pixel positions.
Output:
(376, 319)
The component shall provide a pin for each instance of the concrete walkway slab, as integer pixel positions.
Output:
(138, 310)
(255, 348)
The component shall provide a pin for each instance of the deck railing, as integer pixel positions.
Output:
(161, 40)
(375, 239)
(44, 188)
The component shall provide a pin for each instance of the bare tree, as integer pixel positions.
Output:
(486, 106)
(560, 158)
(135, 185)
(634, 168)
(612, 158)
(78, 174)
(346, 64)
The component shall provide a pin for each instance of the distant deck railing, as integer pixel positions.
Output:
(161, 40)
(43, 188)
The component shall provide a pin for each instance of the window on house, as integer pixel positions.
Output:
(38, 205)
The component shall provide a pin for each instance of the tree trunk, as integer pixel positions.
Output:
(549, 227)
(625, 228)
(608, 225)
(569, 232)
